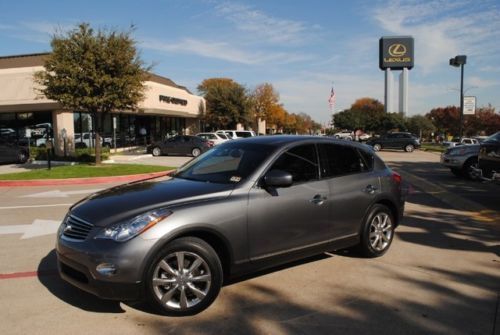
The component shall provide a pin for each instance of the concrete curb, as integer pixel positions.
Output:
(82, 181)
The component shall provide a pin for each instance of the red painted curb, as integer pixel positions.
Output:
(80, 181)
(28, 274)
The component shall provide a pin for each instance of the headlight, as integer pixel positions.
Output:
(122, 232)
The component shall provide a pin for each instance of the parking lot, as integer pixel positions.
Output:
(441, 275)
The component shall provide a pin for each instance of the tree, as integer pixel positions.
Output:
(365, 113)
(446, 119)
(264, 99)
(419, 124)
(227, 103)
(96, 72)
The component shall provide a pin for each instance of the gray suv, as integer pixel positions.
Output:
(241, 207)
(461, 160)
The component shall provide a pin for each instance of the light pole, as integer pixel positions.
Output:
(460, 60)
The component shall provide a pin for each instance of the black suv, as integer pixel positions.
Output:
(405, 141)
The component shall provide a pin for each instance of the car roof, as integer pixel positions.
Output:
(284, 140)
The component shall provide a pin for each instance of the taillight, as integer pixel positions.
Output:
(211, 143)
(396, 177)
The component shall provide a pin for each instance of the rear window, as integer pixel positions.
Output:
(338, 160)
(243, 134)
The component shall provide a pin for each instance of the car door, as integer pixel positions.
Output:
(285, 219)
(352, 186)
(174, 145)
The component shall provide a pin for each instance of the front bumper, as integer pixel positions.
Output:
(455, 162)
(78, 260)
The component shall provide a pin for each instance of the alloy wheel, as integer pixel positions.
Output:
(381, 230)
(181, 280)
(156, 151)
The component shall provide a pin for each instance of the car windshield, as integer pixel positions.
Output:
(495, 138)
(229, 163)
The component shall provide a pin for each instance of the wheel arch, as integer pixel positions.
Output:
(392, 207)
(219, 243)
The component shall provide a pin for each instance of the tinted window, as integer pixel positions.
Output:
(243, 134)
(227, 163)
(338, 160)
(301, 162)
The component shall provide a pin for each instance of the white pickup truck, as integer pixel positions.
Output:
(460, 141)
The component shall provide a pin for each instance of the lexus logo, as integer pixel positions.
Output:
(397, 50)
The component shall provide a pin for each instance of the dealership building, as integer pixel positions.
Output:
(167, 109)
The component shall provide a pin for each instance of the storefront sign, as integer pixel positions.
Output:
(172, 100)
(396, 52)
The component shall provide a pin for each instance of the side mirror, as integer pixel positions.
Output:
(278, 178)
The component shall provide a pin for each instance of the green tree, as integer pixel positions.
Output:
(227, 103)
(419, 124)
(96, 72)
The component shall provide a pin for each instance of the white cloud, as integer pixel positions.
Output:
(223, 51)
(482, 83)
(262, 26)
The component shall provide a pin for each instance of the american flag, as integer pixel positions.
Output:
(331, 99)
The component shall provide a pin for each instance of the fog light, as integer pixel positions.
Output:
(106, 269)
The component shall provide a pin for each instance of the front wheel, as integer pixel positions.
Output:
(156, 151)
(377, 147)
(467, 169)
(184, 278)
(378, 231)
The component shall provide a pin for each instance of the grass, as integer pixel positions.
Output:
(84, 171)
(433, 147)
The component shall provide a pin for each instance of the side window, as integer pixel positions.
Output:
(338, 160)
(300, 161)
(367, 160)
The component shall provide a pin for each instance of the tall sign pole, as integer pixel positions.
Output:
(396, 53)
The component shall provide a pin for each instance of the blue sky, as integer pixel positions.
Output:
(300, 47)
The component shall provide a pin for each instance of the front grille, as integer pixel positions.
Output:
(77, 228)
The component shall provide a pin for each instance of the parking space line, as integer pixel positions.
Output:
(28, 274)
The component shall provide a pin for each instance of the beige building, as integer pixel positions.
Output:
(166, 110)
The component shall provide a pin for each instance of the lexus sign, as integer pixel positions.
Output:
(396, 52)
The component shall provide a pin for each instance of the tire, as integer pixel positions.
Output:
(195, 152)
(378, 232)
(156, 151)
(174, 294)
(377, 147)
(409, 148)
(22, 157)
(467, 168)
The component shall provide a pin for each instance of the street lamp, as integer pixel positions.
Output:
(460, 61)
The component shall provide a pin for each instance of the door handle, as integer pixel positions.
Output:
(318, 200)
(370, 189)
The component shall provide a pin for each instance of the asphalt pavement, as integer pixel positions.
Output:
(441, 275)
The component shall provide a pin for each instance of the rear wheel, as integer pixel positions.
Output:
(377, 147)
(195, 152)
(378, 231)
(409, 148)
(156, 151)
(22, 157)
(184, 278)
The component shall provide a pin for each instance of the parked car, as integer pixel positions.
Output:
(488, 166)
(216, 138)
(344, 135)
(11, 151)
(461, 160)
(401, 140)
(460, 141)
(234, 134)
(180, 145)
(242, 207)
(87, 140)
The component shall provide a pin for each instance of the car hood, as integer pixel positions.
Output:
(126, 201)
